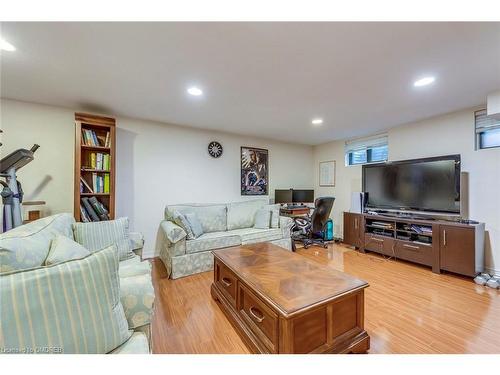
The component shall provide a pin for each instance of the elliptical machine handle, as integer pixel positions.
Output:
(34, 148)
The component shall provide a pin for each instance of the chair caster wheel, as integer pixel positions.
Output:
(325, 246)
(306, 246)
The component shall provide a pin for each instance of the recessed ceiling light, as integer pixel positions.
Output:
(317, 121)
(424, 81)
(6, 46)
(195, 91)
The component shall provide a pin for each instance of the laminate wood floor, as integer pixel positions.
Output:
(408, 309)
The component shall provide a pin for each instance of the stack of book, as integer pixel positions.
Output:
(91, 138)
(100, 184)
(99, 161)
(93, 210)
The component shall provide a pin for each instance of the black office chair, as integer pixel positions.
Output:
(309, 230)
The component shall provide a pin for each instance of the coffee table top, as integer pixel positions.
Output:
(288, 281)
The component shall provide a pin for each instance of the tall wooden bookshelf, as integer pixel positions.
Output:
(101, 126)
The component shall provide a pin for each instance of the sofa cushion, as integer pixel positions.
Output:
(242, 214)
(133, 267)
(70, 307)
(253, 235)
(181, 220)
(136, 344)
(212, 241)
(98, 235)
(275, 214)
(195, 224)
(262, 219)
(27, 246)
(137, 296)
(63, 249)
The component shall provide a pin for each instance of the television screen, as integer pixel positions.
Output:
(431, 184)
(303, 196)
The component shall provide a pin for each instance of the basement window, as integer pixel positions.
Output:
(487, 131)
(366, 150)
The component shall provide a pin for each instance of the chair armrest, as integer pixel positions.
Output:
(286, 224)
(173, 232)
(136, 240)
(137, 297)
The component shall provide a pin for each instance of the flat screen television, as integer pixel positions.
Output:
(426, 185)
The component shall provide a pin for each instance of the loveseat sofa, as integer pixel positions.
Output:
(224, 225)
(32, 290)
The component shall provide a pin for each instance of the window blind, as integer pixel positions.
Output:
(366, 143)
(485, 123)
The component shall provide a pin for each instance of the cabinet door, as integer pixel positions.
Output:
(457, 249)
(352, 229)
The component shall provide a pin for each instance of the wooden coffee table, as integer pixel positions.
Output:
(281, 302)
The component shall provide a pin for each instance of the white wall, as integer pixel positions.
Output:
(157, 164)
(449, 134)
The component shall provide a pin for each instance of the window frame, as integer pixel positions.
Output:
(348, 154)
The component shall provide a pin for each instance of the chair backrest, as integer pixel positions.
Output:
(322, 208)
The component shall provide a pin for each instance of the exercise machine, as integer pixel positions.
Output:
(12, 192)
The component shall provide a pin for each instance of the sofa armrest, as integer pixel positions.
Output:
(173, 232)
(286, 224)
(136, 242)
(137, 297)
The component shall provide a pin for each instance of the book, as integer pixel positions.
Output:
(94, 182)
(98, 208)
(106, 165)
(102, 140)
(93, 160)
(106, 183)
(84, 215)
(107, 141)
(88, 207)
(82, 181)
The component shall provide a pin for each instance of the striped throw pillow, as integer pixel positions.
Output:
(98, 235)
(71, 307)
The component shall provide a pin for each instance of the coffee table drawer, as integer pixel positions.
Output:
(259, 318)
(226, 279)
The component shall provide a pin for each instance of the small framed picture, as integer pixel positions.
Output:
(327, 173)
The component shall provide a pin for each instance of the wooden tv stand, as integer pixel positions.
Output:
(443, 245)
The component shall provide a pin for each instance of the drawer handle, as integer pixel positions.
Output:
(377, 239)
(411, 247)
(256, 314)
(226, 281)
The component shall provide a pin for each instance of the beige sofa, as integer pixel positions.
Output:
(224, 225)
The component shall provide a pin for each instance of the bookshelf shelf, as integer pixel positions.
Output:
(100, 148)
(96, 170)
(95, 145)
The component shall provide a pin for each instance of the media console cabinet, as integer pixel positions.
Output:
(443, 245)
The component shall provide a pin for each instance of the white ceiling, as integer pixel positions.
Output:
(262, 79)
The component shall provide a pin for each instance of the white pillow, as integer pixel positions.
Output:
(63, 249)
(262, 219)
(275, 214)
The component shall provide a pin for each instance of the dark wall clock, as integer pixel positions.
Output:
(215, 149)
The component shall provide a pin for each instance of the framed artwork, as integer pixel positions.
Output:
(254, 171)
(327, 173)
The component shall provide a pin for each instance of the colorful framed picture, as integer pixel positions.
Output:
(327, 173)
(254, 171)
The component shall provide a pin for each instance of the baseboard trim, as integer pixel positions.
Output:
(148, 253)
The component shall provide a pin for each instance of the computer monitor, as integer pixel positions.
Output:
(283, 196)
(303, 196)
